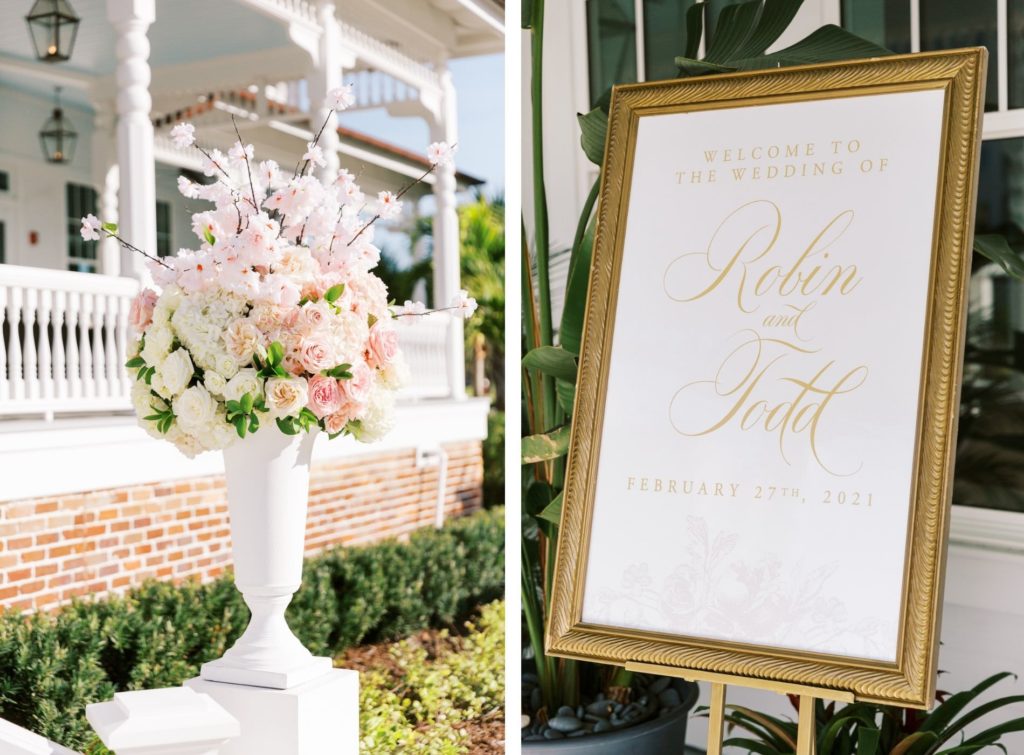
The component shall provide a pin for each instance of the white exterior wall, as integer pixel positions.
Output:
(36, 199)
(983, 619)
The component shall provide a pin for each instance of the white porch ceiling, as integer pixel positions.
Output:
(188, 32)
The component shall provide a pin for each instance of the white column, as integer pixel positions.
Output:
(325, 76)
(446, 233)
(131, 20)
(106, 179)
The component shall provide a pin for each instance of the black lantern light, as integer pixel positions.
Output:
(53, 26)
(58, 136)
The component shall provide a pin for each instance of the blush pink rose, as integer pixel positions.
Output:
(324, 396)
(140, 315)
(383, 345)
(356, 389)
(316, 354)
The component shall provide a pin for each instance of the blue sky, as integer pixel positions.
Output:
(479, 82)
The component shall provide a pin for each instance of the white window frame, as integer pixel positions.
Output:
(990, 529)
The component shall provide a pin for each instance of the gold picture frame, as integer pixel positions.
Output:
(910, 681)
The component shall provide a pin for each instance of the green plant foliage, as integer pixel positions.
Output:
(494, 459)
(420, 708)
(158, 635)
(871, 729)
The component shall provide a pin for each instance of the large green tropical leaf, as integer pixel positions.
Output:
(694, 28)
(570, 334)
(545, 446)
(982, 710)
(774, 19)
(593, 133)
(998, 249)
(553, 511)
(827, 44)
(751, 745)
(735, 24)
(553, 361)
(917, 743)
(566, 395)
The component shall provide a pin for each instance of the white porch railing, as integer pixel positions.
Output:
(63, 337)
(62, 341)
(424, 344)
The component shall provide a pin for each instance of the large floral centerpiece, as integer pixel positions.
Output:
(277, 315)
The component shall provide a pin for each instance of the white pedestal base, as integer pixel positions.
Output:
(169, 721)
(320, 717)
(223, 670)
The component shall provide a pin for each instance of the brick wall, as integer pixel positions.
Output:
(52, 549)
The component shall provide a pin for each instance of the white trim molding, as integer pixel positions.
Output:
(97, 453)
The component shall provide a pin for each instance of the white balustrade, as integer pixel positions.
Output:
(62, 341)
(424, 344)
(63, 337)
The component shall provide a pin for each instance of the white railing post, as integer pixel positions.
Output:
(85, 348)
(60, 379)
(14, 358)
(122, 346)
(74, 374)
(99, 357)
(4, 384)
(325, 76)
(114, 362)
(29, 355)
(45, 363)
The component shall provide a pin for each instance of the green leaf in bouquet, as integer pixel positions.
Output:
(254, 423)
(246, 403)
(334, 293)
(341, 372)
(275, 353)
(553, 361)
(287, 425)
(239, 423)
(134, 362)
(371, 320)
(209, 237)
(545, 446)
(110, 227)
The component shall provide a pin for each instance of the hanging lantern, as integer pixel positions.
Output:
(53, 26)
(58, 136)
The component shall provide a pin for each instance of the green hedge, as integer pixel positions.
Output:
(52, 666)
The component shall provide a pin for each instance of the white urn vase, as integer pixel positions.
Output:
(268, 491)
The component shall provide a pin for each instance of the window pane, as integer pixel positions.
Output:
(611, 40)
(1015, 51)
(946, 24)
(664, 36)
(3, 243)
(990, 453)
(163, 229)
(884, 22)
(80, 201)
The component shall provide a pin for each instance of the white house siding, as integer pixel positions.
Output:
(35, 201)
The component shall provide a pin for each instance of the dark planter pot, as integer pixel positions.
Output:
(659, 736)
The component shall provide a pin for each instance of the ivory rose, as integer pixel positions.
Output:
(175, 373)
(324, 396)
(243, 339)
(140, 314)
(195, 408)
(286, 396)
(246, 381)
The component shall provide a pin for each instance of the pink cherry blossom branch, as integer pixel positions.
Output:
(248, 169)
(133, 248)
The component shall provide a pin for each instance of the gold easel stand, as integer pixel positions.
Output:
(805, 744)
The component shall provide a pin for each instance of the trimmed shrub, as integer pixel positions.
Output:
(158, 635)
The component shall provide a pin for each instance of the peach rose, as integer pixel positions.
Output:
(335, 423)
(324, 396)
(356, 389)
(140, 315)
(383, 345)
